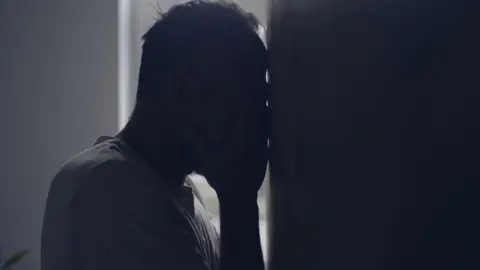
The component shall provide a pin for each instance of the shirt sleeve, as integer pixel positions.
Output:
(124, 221)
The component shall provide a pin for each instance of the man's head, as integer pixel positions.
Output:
(201, 61)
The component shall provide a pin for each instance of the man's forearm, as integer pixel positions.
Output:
(240, 239)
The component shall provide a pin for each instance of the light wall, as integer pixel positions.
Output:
(58, 91)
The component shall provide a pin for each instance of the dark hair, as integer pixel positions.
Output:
(189, 31)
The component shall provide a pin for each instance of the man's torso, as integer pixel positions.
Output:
(58, 252)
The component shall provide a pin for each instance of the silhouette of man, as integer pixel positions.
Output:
(124, 204)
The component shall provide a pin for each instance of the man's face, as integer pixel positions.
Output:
(218, 91)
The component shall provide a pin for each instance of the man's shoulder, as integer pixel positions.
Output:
(103, 165)
(100, 158)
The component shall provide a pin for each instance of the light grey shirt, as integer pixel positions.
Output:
(107, 209)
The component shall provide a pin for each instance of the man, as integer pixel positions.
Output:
(201, 106)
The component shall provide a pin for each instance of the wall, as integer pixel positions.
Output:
(375, 142)
(58, 91)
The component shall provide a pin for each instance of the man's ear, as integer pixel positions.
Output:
(174, 87)
(184, 85)
(178, 97)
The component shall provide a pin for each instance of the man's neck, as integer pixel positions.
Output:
(157, 153)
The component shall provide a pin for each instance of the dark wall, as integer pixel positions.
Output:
(58, 91)
(375, 110)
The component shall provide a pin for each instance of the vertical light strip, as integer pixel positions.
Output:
(124, 76)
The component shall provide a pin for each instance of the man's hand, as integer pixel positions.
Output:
(236, 176)
(240, 165)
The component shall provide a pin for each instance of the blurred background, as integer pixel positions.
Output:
(68, 73)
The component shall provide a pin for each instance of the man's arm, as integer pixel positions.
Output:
(124, 222)
(236, 175)
(240, 239)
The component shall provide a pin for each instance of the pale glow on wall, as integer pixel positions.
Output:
(262, 32)
(124, 74)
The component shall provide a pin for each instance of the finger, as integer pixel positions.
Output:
(257, 135)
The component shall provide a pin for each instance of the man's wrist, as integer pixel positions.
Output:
(239, 198)
(239, 233)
